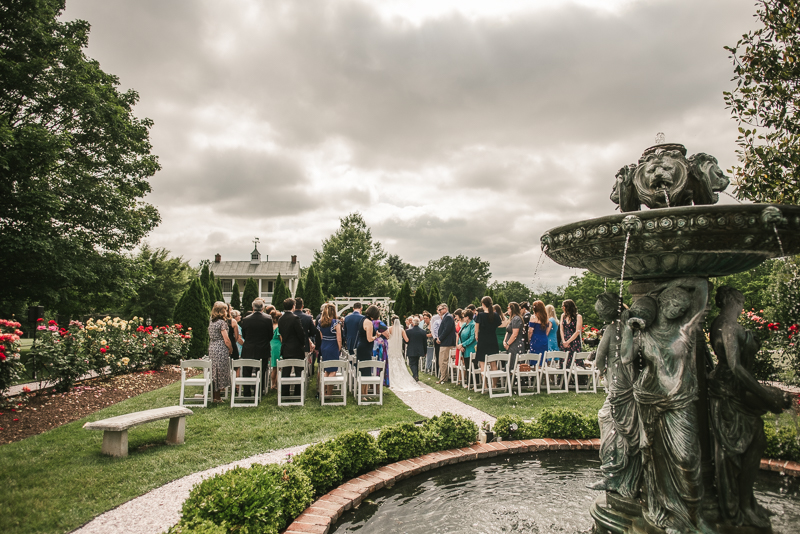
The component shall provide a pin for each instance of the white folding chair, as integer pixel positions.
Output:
(296, 381)
(534, 372)
(556, 368)
(435, 365)
(337, 382)
(461, 372)
(501, 361)
(452, 368)
(374, 381)
(474, 373)
(243, 381)
(589, 372)
(204, 382)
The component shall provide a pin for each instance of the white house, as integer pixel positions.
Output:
(263, 272)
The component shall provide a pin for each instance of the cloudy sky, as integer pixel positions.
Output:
(453, 126)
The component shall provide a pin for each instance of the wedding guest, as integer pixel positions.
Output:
(446, 340)
(330, 330)
(485, 327)
(307, 322)
(458, 316)
(552, 337)
(219, 349)
(352, 323)
(236, 315)
(257, 329)
(525, 307)
(275, 348)
(571, 327)
(417, 346)
(514, 342)
(233, 332)
(293, 340)
(538, 328)
(501, 330)
(466, 338)
(366, 337)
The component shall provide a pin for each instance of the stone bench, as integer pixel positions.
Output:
(115, 436)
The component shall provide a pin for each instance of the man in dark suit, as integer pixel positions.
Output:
(257, 332)
(417, 347)
(446, 339)
(307, 322)
(294, 340)
(352, 323)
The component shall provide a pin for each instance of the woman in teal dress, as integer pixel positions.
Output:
(275, 348)
(466, 338)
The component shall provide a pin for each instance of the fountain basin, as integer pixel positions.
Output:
(685, 241)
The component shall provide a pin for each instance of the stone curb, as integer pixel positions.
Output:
(323, 513)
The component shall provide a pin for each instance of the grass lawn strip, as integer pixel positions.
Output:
(57, 481)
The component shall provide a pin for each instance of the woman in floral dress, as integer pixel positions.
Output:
(571, 327)
(219, 349)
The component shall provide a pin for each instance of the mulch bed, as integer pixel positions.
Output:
(29, 414)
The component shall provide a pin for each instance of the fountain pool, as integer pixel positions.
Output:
(535, 493)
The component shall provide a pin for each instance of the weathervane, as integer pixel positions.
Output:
(256, 241)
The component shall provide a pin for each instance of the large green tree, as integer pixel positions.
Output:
(583, 290)
(403, 302)
(514, 291)
(766, 105)
(74, 160)
(351, 263)
(314, 297)
(192, 313)
(250, 294)
(280, 294)
(420, 299)
(166, 280)
(464, 277)
(236, 296)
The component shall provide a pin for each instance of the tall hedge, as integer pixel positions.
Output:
(434, 298)
(403, 305)
(250, 294)
(205, 278)
(280, 294)
(452, 303)
(192, 312)
(314, 298)
(299, 291)
(420, 300)
(236, 297)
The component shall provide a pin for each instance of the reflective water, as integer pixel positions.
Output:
(543, 493)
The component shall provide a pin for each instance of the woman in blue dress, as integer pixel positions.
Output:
(538, 329)
(330, 330)
(552, 337)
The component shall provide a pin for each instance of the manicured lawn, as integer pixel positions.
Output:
(57, 481)
(527, 407)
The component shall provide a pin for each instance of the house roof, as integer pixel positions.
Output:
(265, 269)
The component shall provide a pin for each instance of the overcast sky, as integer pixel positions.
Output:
(454, 126)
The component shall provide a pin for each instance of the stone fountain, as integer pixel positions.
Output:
(681, 435)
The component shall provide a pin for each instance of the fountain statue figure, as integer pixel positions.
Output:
(737, 402)
(665, 324)
(620, 458)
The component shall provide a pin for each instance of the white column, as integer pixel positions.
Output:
(259, 287)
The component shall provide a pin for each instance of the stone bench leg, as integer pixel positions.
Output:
(176, 430)
(115, 443)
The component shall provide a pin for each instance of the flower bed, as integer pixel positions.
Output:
(10, 368)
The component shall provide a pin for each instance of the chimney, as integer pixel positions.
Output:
(217, 258)
(294, 260)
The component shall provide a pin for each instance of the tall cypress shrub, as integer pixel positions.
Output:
(218, 290)
(193, 313)
(314, 297)
(250, 294)
(434, 298)
(236, 297)
(502, 301)
(300, 291)
(403, 306)
(280, 294)
(452, 303)
(205, 278)
(420, 299)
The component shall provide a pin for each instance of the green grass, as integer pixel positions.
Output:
(57, 481)
(527, 407)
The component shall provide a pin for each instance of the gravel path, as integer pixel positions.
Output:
(156, 511)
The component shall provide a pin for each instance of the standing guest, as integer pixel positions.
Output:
(236, 315)
(552, 337)
(486, 322)
(275, 348)
(501, 330)
(352, 323)
(219, 349)
(233, 332)
(539, 328)
(458, 316)
(307, 322)
(466, 338)
(426, 325)
(293, 340)
(380, 347)
(330, 330)
(525, 307)
(514, 341)
(366, 336)
(446, 340)
(417, 346)
(436, 319)
(571, 327)
(257, 330)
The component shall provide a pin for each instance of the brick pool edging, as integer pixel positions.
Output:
(325, 511)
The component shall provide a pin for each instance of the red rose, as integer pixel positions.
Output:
(39, 320)
(103, 350)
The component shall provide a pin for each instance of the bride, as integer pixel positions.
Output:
(401, 378)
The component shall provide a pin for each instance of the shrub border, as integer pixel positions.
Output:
(325, 511)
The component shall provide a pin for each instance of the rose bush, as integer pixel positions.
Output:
(10, 368)
(779, 353)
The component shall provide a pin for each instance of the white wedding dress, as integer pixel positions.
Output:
(399, 377)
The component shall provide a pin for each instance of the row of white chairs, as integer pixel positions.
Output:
(550, 366)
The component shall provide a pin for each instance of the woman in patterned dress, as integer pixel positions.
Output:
(571, 328)
(219, 349)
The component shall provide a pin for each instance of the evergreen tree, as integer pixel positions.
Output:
(205, 276)
(250, 294)
(236, 297)
(452, 303)
(314, 297)
(434, 299)
(502, 301)
(403, 306)
(179, 306)
(218, 290)
(300, 290)
(280, 294)
(192, 312)
(420, 299)
(490, 293)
